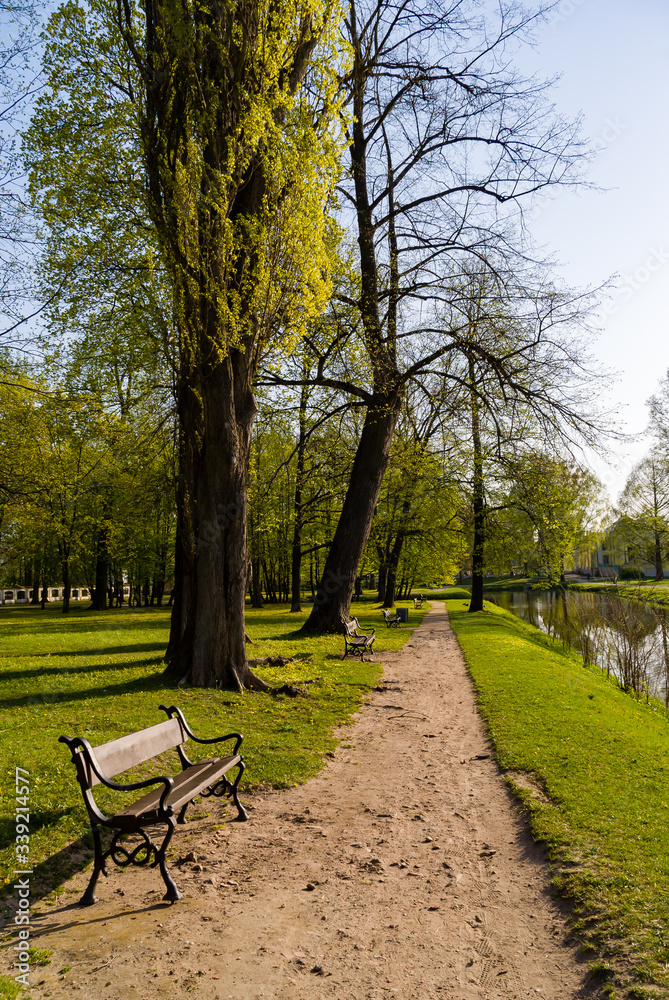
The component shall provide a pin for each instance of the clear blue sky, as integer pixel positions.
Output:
(614, 59)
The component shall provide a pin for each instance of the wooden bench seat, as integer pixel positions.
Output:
(186, 786)
(172, 796)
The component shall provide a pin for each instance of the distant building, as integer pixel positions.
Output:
(23, 595)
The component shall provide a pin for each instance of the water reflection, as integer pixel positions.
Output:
(626, 638)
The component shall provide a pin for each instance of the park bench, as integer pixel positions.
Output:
(99, 765)
(418, 601)
(355, 642)
(390, 618)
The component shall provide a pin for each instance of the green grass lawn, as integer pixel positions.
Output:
(602, 759)
(99, 675)
(451, 593)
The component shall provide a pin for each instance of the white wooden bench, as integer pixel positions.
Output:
(99, 765)
(355, 642)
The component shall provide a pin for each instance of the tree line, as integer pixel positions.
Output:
(293, 325)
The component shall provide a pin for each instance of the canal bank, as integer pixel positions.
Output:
(590, 765)
(628, 639)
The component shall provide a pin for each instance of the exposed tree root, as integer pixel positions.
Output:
(292, 690)
(271, 661)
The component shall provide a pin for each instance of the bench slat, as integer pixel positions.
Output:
(187, 785)
(127, 751)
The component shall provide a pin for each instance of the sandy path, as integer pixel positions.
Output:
(403, 870)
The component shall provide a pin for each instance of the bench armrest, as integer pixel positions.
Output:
(173, 711)
(364, 635)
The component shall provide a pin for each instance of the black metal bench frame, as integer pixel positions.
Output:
(99, 765)
(390, 618)
(355, 642)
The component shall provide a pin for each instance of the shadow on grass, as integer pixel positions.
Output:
(154, 682)
(283, 637)
(89, 668)
(36, 620)
(138, 647)
(38, 820)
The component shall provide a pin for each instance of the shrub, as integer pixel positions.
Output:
(632, 573)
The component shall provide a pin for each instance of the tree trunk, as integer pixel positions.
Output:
(207, 627)
(67, 588)
(394, 558)
(36, 581)
(99, 596)
(659, 569)
(333, 597)
(382, 581)
(391, 578)
(478, 503)
(296, 569)
(296, 563)
(256, 584)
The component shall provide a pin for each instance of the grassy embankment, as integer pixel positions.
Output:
(647, 591)
(643, 590)
(602, 761)
(100, 676)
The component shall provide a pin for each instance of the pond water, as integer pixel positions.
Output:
(629, 639)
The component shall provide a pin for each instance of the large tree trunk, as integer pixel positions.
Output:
(207, 629)
(333, 596)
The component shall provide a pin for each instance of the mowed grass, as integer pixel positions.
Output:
(100, 675)
(602, 760)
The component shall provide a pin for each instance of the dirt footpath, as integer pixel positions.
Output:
(404, 870)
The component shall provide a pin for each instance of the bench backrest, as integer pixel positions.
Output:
(126, 751)
(351, 627)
